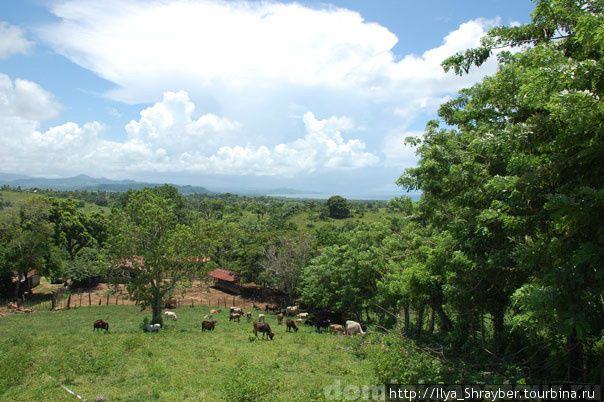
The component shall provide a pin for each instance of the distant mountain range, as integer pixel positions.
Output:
(83, 182)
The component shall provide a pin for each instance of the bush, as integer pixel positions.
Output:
(397, 360)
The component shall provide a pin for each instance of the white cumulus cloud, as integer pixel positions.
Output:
(169, 139)
(228, 48)
(26, 99)
(12, 40)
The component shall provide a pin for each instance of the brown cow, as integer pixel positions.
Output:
(290, 324)
(335, 328)
(280, 318)
(208, 325)
(234, 316)
(264, 328)
(100, 324)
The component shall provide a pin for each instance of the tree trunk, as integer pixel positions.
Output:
(406, 328)
(17, 287)
(498, 328)
(575, 369)
(156, 309)
(445, 322)
(420, 321)
(432, 314)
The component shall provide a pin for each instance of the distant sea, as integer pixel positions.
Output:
(322, 196)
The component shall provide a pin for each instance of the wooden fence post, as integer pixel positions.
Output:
(68, 301)
(89, 300)
(80, 300)
(107, 303)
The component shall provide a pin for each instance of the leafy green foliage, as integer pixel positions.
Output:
(397, 360)
(151, 247)
(87, 266)
(514, 185)
(338, 207)
(343, 278)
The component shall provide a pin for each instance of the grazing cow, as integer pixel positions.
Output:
(264, 328)
(290, 324)
(261, 318)
(319, 322)
(292, 310)
(271, 307)
(335, 328)
(248, 315)
(256, 307)
(208, 325)
(152, 328)
(353, 328)
(299, 320)
(303, 315)
(207, 317)
(234, 316)
(237, 310)
(100, 324)
(216, 311)
(171, 314)
(280, 318)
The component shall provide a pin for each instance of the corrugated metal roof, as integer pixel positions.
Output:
(224, 275)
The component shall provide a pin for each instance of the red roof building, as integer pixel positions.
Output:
(224, 275)
(226, 280)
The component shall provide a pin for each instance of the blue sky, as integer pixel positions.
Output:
(225, 94)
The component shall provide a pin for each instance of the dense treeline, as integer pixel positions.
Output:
(512, 194)
(240, 232)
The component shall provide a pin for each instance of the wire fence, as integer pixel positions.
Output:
(63, 299)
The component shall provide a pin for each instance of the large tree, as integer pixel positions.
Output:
(516, 178)
(156, 253)
(283, 263)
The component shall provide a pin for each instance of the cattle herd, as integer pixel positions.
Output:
(319, 320)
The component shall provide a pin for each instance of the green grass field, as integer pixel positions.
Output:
(178, 363)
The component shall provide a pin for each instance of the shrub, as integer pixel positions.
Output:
(397, 360)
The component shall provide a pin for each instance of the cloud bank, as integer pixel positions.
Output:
(166, 138)
(235, 47)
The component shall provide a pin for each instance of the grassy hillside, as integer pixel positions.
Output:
(179, 363)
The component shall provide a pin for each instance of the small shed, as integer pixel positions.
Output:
(226, 280)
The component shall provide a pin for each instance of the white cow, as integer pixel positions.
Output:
(261, 318)
(171, 314)
(353, 328)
